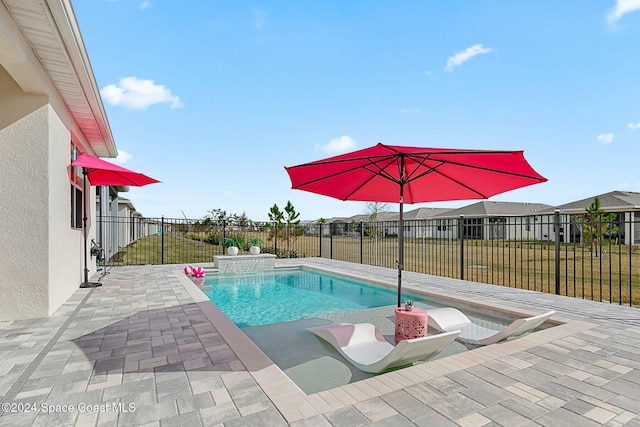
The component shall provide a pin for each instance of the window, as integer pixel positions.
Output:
(76, 191)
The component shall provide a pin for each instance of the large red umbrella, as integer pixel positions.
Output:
(387, 173)
(100, 172)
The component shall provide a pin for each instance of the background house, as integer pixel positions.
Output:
(626, 206)
(421, 222)
(488, 220)
(50, 111)
(106, 208)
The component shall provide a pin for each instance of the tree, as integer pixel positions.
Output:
(375, 231)
(277, 217)
(286, 225)
(374, 208)
(218, 216)
(217, 221)
(291, 221)
(322, 222)
(596, 224)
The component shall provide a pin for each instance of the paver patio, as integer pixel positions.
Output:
(147, 349)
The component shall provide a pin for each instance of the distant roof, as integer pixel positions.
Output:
(127, 202)
(425, 213)
(420, 213)
(614, 200)
(382, 216)
(490, 208)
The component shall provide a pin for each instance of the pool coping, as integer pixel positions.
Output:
(294, 404)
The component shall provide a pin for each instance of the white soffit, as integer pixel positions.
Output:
(52, 31)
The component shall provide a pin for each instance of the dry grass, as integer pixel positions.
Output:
(524, 265)
(519, 264)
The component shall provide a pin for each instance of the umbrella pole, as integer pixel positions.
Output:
(400, 245)
(400, 255)
(86, 283)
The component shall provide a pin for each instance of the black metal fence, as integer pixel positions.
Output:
(555, 253)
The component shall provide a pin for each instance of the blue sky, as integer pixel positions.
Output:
(214, 98)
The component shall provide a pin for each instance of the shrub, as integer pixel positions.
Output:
(280, 253)
(237, 241)
(213, 239)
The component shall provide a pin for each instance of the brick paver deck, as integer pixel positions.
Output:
(147, 349)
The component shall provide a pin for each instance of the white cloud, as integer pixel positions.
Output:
(123, 157)
(338, 145)
(462, 57)
(146, 4)
(227, 193)
(634, 126)
(622, 8)
(605, 138)
(139, 94)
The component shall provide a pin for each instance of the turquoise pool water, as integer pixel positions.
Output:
(257, 299)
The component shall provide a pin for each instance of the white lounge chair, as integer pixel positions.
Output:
(365, 347)
(449, 319)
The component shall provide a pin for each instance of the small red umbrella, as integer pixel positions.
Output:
(100, 172)
(387, 173)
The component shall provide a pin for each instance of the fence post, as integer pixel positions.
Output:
(162, 240)
(361, 239)
(461, 238)
(556, 221)
(330, 245)
(275, 238)
(320, 234)
(224, 236)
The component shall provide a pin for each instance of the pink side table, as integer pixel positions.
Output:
(410, 324)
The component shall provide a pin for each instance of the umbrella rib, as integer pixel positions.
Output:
(348, 160)
(132, 182)
(322, 178)
(521, 175)
(421, 160)
(433, 170)
(442, 162)
(380, 170)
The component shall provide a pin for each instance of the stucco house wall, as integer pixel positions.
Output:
(23, 264)
(40, 254)
(48, 99)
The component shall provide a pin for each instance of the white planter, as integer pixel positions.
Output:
(254, 250)
(232, 250)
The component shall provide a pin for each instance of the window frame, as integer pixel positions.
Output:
(77, 194)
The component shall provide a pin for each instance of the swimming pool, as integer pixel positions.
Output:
(256, 299)
(275, 308)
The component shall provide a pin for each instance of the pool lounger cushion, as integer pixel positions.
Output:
(449, 318)
(364, 346)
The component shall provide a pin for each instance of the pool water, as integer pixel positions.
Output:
(275, 308)
(264, 298)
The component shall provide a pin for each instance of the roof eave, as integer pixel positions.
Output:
(55, 52)
(103, 144)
